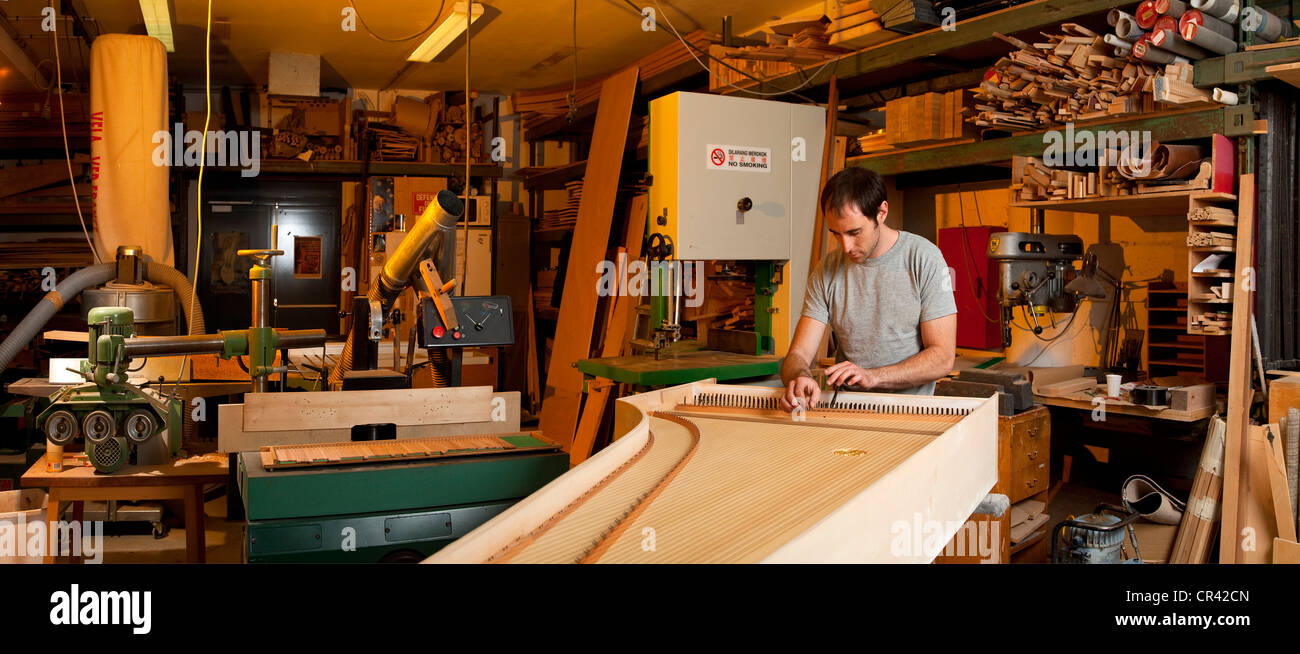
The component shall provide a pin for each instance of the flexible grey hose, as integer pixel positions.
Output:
(159, 273)
(49, 305)
(74, 284)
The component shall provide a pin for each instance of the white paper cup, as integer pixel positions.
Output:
(1226, 293)
(1112, 385)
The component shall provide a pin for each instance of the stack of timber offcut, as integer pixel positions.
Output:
(907, 16)
(789, 44)
(1067, 78)
(929, 117)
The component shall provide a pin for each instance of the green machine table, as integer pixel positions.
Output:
(393, 512)
(671, 369)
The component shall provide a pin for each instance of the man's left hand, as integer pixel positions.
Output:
(847, 373)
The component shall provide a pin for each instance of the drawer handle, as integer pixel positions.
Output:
(1032, 482)
(1033, 432)
(1033, 455)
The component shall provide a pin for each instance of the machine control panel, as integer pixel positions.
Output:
(484, 321)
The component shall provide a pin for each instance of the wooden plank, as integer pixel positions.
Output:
(351, 453)
(593, 413)
(1289, 73)
(232, 437)
(638, 212)
(1283, 512)
(563, 394)
(327, 410)
(1239, 388)
(1257, 515)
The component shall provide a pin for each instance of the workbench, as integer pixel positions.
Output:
(680, 368)
(178, 480)
(1124, 407)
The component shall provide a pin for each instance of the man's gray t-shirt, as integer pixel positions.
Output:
(876, 307)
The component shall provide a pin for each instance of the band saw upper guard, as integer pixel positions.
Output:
(714, 473)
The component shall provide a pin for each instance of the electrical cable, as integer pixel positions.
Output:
(441, 5)
(67, 154)
(469, 127)
(691, 52)
(203, 158)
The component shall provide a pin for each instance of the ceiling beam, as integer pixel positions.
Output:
(12, 48)
(77, 10)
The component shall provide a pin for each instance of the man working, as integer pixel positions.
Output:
(886, 294)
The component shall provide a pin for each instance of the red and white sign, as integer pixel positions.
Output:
(739, 158)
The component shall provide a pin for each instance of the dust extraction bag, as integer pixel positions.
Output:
(128, 104)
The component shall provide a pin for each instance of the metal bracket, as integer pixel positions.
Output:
(376, 320)
(1239, 120)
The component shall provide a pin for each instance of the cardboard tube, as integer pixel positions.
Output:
(1264, 24)
(1126, 26)
(1175, 8)
(1193, 33)
(1146, 14)
(1225, 9)
(1171, 41)
(1146, 52)
(1208, 22)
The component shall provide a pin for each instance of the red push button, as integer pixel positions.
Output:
(456, 335)
(438, 331)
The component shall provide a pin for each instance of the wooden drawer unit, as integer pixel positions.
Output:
(1024, 453)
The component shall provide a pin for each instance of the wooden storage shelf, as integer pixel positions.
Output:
(1168, 203)
(1170, 349)
(1201, 298)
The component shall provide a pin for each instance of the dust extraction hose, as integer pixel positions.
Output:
(433, 233)
(74, 284)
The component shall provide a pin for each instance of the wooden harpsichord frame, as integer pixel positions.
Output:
(801, 490)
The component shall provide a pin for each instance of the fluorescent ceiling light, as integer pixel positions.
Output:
(158, 21)
(446, 33)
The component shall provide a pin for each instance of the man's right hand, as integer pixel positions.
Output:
(801, 391)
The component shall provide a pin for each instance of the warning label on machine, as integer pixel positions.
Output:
(739, 157)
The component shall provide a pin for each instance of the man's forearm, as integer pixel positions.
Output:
(921, 368)
(793, 366)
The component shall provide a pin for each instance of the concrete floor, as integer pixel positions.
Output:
(224, 541)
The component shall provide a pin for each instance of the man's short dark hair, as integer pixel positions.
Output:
(854, 186)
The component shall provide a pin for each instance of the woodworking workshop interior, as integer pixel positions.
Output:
(639, 281)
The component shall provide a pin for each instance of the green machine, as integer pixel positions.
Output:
(381, 513)
(119, 421)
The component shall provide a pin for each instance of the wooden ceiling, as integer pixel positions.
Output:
(517, 45)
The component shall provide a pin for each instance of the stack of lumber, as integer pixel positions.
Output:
(1175, 86)
(1210, 239)
(927, 117)
(1035, 181)
(856, 25)
(873, 142)
(539, 105)
(1067, 78)
(1212, 322)
(1217, 215)
(789, 45)
(392, 143)
(907, 16)
(566, 217)
(54, 253)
